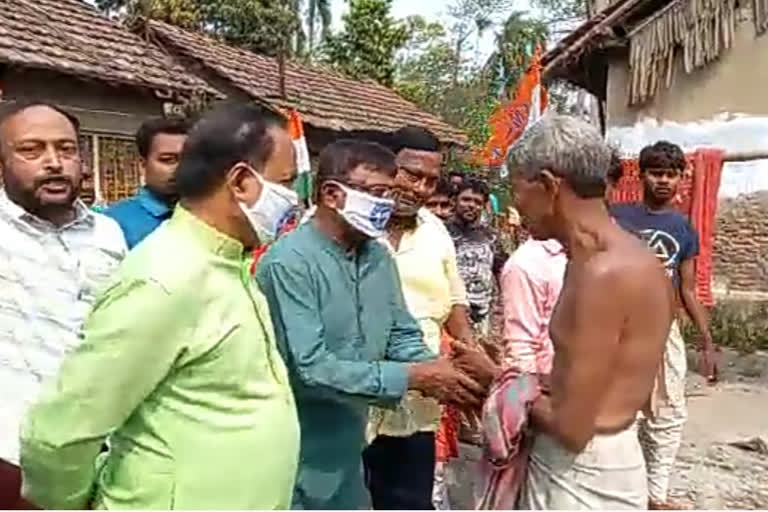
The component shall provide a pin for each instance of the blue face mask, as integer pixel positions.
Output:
(366, 213)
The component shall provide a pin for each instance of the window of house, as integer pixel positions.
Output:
(112, 168)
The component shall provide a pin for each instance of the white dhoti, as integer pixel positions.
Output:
(608, 474)
(662, 432)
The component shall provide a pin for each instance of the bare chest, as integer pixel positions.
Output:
(564, 315)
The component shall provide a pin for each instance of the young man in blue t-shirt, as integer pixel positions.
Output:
(671, 237)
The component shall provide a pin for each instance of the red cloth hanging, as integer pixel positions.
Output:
(696, 198)
(447, 436)
(629, 189)
(708, 169)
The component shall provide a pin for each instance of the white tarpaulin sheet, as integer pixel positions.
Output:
(734, 133)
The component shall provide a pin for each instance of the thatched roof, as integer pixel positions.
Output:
(649, 34)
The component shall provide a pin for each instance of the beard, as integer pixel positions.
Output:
(45, 193)
(56, 191)
(469, 218)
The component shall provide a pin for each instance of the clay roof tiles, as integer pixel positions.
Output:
(72, 37)
(324, 98)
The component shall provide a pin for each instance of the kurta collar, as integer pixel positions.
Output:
(214, 240)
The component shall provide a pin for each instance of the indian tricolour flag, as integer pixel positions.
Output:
(303, 185)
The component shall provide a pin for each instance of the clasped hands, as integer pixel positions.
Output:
(461, 379)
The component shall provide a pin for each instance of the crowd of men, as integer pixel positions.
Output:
(147, 361)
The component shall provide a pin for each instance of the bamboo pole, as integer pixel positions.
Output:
(747, 156)
(281, 73)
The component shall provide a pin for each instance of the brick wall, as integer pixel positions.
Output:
(741, 244)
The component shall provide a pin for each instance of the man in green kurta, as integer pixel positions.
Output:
(178, 371)
(343, 327)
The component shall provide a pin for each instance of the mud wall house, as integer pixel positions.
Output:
(65, 52)
(693, 72)
(331, 105)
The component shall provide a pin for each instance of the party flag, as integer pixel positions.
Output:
(512, 118)
(303, 185)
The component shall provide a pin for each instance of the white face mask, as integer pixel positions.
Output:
(269, 213)
(366, 213)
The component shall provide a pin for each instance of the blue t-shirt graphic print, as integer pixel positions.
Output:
(668, 234)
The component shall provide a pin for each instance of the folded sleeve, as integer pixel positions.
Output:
(126, 351)
(296, 314)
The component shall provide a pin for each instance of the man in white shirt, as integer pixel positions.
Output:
(55, 254)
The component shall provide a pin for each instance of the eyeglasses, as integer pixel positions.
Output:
(411, 175)
(383, 191)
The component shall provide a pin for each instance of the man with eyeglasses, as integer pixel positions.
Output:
(401, 459)
(343, 327)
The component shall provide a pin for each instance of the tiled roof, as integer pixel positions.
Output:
(71, 37)
(325, 99)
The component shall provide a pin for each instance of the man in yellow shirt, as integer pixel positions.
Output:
(400, 461)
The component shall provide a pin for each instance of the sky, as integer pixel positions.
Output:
(401, 8)
(430, 9)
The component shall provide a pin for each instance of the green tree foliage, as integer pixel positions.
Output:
(318, 11)
(452, 85)
(183, 13)
(472, 18)
(515, 44)
(425, 67)
(311, 15)
(368, 43)
(563, 10)
(263, 26)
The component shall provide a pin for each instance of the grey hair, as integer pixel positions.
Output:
(567, 147)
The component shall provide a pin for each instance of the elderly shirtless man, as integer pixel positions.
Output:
(608, 328)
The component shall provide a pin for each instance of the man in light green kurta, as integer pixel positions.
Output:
(178, 370)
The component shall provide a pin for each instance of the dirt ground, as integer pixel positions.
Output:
(710, 472)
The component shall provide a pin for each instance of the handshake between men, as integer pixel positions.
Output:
(461, 380)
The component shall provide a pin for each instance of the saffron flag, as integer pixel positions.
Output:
(303, 185)
(511, 119)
